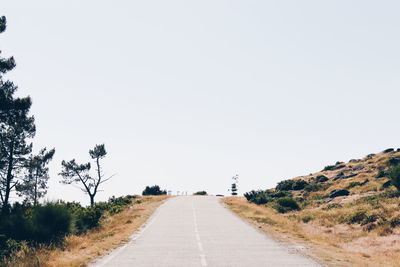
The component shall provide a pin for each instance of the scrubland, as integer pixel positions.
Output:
(79, 249)
(360, 227)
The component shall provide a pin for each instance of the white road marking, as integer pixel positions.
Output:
(199, 244)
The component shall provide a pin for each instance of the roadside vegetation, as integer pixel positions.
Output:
(200, 193)
(154, 190)
(349, 211)
(91, 235)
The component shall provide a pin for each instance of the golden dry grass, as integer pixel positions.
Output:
(79, 250)
(327, 228)
(334, 244)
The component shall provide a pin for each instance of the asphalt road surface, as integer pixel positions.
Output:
(199, 231)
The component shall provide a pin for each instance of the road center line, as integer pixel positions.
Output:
(199, 244)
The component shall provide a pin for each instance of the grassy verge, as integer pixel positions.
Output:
(79, 250)
(333, 242)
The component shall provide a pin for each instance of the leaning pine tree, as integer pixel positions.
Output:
(75, 173)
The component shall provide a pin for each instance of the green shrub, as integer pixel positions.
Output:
(252, 194)
(286, 204)
(362, 217)
(337, 166)
(395, 222)
(87, 218)
(370, 156)
(200, 193)
(393, 161)
(287, 185)
(388, 150)
(394, 176)
(39, 224)
(313, 186)
(307, 218)
(381, 174)
(51, 222)
(284, 185)
(265, 196)
(153, 190)
(321, 179)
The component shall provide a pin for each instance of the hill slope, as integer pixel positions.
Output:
(348, 213)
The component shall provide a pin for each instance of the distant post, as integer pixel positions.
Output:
(234, 185)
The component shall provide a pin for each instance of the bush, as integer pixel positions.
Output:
(200, 193)
(265, 196)
(307, 218)
(313, 187)
(258, 197)
(87, 218)
(337, 166)
(40, 224)
(153, 190)
(370, 156)
(388, 150)
(394, 176)
(362, 217)
(284, 185)
(380, 174)
(395, 222)
(51, 223)
(252, 194)
(321, 179)
(287, 185)
(286, 204)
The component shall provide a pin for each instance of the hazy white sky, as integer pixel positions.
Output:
(185, 94)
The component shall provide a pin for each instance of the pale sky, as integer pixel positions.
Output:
(186, 94)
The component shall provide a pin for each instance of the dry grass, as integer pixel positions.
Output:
(334, 244)
(332, 231)
(79, 250)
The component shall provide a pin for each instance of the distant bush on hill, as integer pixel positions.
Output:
(286, 204)
(265, 196)
(388, 150)
(337, 166)
(287, 185)
(153, 191)
(394, 175)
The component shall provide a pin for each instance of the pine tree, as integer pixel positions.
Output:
(74, 173)
(34, 185)
(17, 127)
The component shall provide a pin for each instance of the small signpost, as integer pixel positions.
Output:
(234, 185)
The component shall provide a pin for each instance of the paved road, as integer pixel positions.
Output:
(199, 231)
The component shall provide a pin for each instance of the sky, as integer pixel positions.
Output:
(186, 94)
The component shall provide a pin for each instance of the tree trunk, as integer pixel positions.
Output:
(9, 177)
(35, 202)
(91, 200)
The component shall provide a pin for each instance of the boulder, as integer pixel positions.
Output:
(339, 193)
